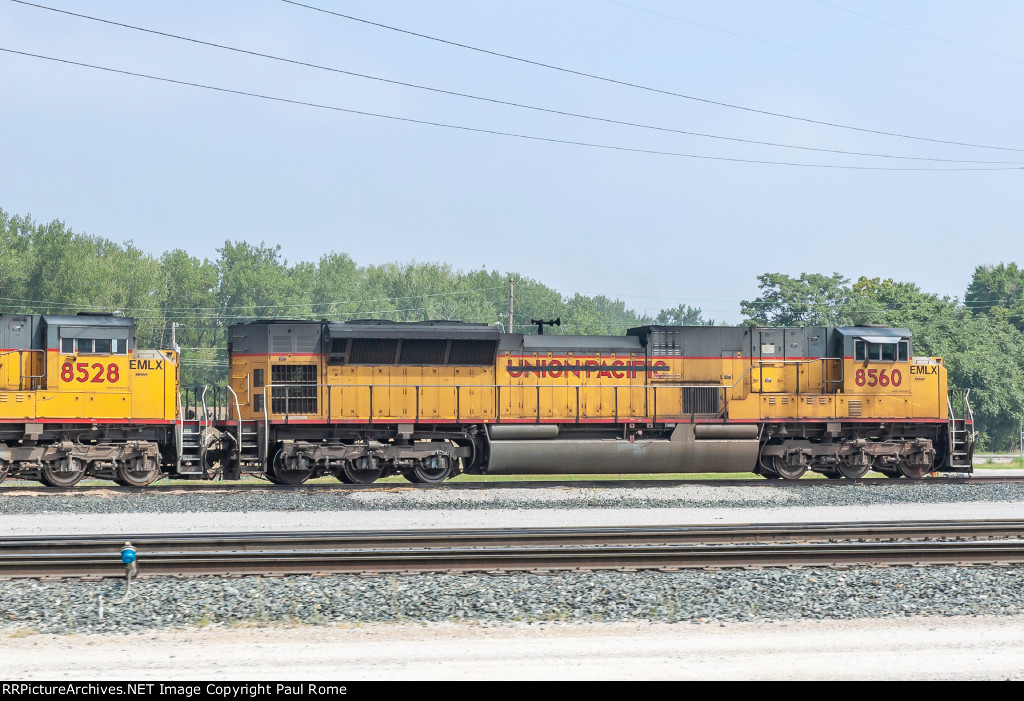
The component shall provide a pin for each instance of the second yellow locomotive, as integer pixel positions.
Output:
(365, 399)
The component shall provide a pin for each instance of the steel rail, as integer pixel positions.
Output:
(521, 549)
(477, 537)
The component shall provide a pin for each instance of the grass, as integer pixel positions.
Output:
(23, 632)
(1014, 464)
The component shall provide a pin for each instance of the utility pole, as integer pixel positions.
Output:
(511, 305)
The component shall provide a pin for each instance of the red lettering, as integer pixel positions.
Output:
(617, 364)
(637, 364)
(556, 363)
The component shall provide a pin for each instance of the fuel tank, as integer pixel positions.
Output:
(708, 449)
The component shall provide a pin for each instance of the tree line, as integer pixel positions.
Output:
(50, 269)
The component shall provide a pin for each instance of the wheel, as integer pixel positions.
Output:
(432, 470)
(914, 472)
(5, 469)
(786, 471)
(138, 472)
(362, 470)
(72, 474)
(850, 471)
(293, 477)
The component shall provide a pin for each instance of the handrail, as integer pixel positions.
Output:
(206, 411)
(23, 376)
(238, 406)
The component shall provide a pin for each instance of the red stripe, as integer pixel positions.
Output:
(89, 422)
(605, 420)
(276, 355)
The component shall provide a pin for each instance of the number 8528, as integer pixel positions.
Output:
(83, 372)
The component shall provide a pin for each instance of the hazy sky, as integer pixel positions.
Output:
(171, 166)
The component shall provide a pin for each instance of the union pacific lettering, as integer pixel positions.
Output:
(588, 368)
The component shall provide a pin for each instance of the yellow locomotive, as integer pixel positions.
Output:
(427, 400)
(78, 398)
(365, 399)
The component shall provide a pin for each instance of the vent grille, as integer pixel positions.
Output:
(294, 340)
(700, 400)
(373, 351)
(472, 353)
(856, 407)
(423, 351)
(299, 393)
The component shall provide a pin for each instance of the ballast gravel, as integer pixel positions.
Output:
(689, 597)
(686, 496)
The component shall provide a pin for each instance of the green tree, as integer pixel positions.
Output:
(809, 300)
(998, 291)
(683, 315)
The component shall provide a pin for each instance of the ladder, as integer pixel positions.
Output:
(961, 434)
(247, 435)
(193, 418)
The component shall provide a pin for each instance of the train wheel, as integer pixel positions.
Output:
(70, 476)
(136, 473)
(433, 470)
(786, 471)
(364, 470)
(5, 469)
(293, 477)
(851, 471)
(914, 472)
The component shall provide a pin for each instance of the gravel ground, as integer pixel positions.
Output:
(694, 597)
(688, 496)
(690, 597)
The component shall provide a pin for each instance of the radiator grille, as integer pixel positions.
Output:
(856, 407)
(472, 353)
(373, 351)
(423, 351)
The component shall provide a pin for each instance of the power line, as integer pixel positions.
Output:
(507, 103)
(494, 132)
(919, 33)
(812, 53)
(648, 88)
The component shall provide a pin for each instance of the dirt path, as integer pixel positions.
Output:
(921, 648)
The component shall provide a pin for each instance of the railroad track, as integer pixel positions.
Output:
(499, 550)
(34, 489)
